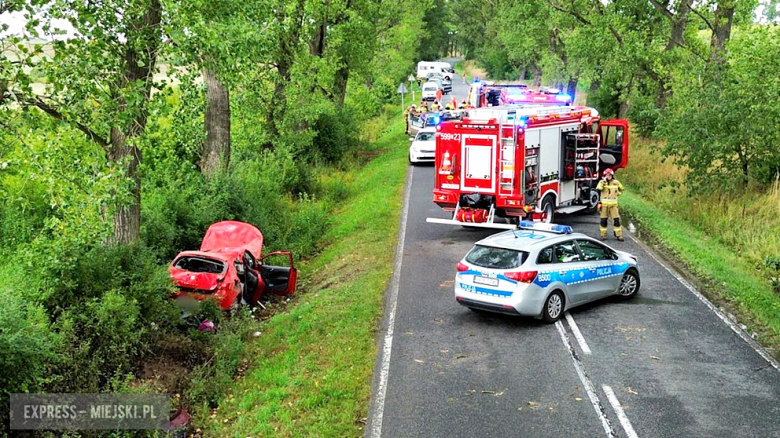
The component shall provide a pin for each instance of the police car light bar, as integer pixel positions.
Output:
(553, 228)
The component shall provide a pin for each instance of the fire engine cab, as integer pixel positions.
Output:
(496, 165)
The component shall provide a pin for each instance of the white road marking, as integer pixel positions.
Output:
(392, 300)
(577, 334)
(734, 327)
(586, 383)
(619, 411)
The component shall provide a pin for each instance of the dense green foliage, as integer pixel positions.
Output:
(102, 177)
(697, 75)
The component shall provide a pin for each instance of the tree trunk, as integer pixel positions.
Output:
(127, 218)
(571, 88)
(721, 30)
(676, 38)
(537, 74)
(288, 43)
(139, 64)
(215, 154)
(340, 86)
(679, 23)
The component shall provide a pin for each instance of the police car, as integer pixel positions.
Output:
(542, 270)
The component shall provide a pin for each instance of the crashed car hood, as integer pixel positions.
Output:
(233, 237)
(195, 280)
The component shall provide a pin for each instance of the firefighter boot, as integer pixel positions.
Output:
(616, 223)
(603, 224)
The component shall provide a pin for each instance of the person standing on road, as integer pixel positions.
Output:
(439, 94)
(407, 111)
(464, 77)
(610, 189)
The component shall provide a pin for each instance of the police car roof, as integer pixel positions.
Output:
(526, 240)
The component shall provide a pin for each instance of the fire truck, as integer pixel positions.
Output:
(487, 94)
(496, 165)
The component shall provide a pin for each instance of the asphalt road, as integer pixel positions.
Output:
(662, 365)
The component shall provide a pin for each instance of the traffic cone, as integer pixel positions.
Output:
(446, 164)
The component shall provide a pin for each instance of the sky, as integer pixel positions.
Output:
(16, 22)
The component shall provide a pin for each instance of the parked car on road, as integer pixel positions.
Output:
(445, 82)
(231, 268)
(423, 146)
(542, 270)
(429, 90)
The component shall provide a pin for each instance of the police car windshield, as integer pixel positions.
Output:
(430, 89)
(425, 136)
(496, 258)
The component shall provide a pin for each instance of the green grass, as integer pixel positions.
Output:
(729, 278)
(312, 366)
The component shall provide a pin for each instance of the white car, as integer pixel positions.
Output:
(429, 90)
(423, 148)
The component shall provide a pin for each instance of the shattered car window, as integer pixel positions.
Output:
(200, 264)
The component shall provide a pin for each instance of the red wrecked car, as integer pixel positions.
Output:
(230, 267)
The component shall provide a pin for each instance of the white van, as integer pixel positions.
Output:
(429, 90)
(425, 67)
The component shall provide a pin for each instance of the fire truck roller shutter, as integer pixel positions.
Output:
(550, 154)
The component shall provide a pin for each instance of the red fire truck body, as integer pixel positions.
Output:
(523, 161)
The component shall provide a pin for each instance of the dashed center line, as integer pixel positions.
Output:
(577, 335)
(619, 411)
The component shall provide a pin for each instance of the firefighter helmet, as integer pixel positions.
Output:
(609, 172)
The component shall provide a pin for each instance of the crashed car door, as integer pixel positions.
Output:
(279, 280)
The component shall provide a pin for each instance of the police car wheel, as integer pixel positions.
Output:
(553, 307)
(629, 285)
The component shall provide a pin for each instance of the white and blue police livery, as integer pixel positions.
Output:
(542, 270)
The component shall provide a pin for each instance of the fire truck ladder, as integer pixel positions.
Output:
(507, 146)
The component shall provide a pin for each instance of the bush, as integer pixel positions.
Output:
(27, 345)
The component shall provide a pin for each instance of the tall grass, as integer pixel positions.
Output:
(747, 222)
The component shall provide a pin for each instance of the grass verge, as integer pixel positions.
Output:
(311, 368)
(729, 280)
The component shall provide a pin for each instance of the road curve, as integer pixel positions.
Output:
(662, 365)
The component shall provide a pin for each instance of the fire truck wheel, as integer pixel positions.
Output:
(548, 208)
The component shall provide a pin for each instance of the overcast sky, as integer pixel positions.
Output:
(16, 22)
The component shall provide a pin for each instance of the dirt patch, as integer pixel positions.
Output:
(173, 357)
(366, 156)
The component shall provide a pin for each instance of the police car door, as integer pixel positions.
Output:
(603, 269)
(570, 269)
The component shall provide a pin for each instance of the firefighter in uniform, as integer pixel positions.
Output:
(407, 111)
(610, 189)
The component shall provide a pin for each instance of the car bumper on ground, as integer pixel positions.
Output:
(526, 300)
